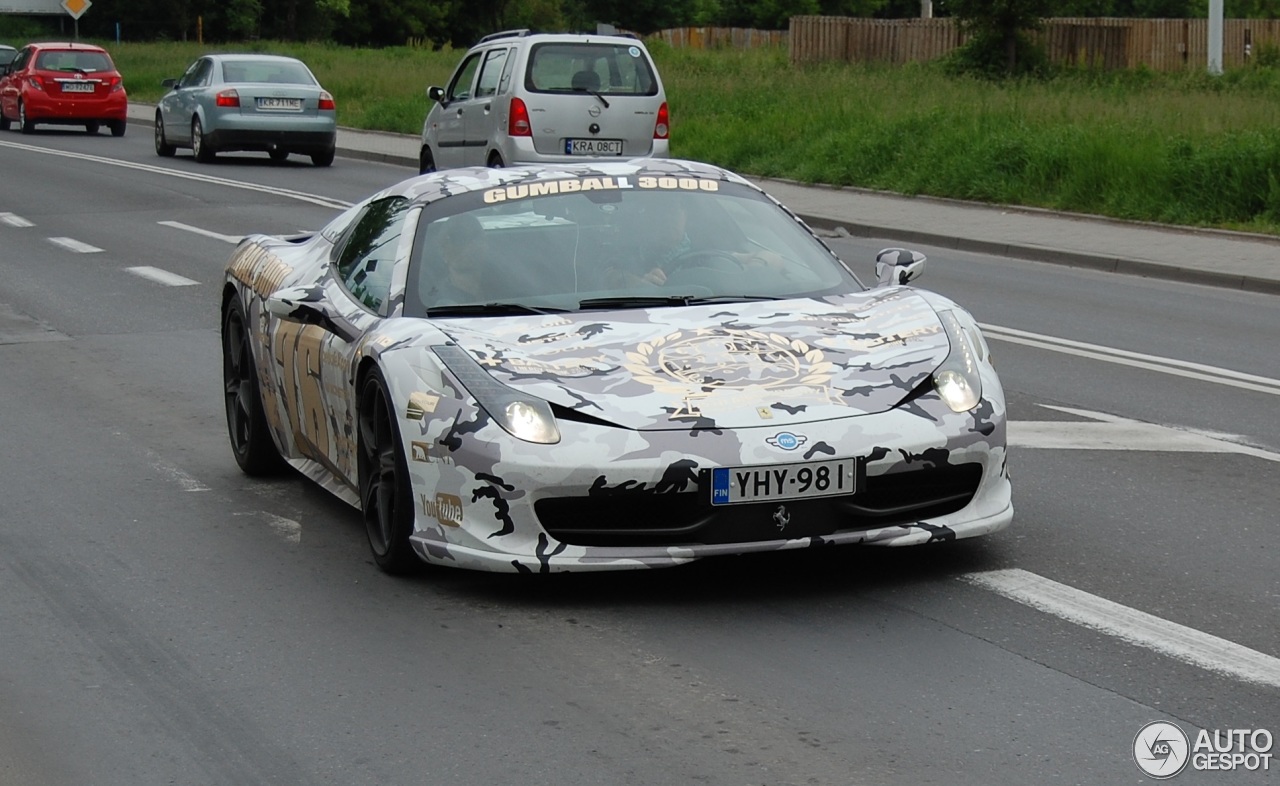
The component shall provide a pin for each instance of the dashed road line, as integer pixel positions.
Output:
(1139, 628)
(14, 221)
(71, 244)
(161, 276)
(233, 239)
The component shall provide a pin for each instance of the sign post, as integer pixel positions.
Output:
(76, 9)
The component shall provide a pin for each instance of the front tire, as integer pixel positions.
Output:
(200, 149)
(247, 426)
(278, 154)
(4, 122)
(426, 161)
(386, 497)
(163, 148)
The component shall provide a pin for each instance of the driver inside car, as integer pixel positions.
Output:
(669, 247)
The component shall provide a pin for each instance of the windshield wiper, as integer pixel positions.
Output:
(658, 301)
(594, 93)
(488, 309)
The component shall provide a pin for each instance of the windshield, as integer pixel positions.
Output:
(277, 72)
(613, 242)
(73, 60)
(607, 69)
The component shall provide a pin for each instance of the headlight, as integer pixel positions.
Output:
(523, 416)
(957, 380)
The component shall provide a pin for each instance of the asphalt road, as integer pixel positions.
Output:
(164, 619)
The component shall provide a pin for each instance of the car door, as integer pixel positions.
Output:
(481, 117)
(316, 366)
(179, 106)
(10, 83)
(451, 134)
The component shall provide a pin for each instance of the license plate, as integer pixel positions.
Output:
(280, 104)
(77, 87)
(593, 147)
(734, 485)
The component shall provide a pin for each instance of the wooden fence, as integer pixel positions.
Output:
(720, 37)
(1159, 44)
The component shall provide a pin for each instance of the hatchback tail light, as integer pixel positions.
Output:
(36, 82)
(662, 128)
(518, 123)
(115, 83)
(326, 101)
(227, 98)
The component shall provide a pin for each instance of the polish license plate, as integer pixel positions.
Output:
(593, 147)
(280, 104)
(735, 485)
(77, 87)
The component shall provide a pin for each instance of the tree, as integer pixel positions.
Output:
(997, 26)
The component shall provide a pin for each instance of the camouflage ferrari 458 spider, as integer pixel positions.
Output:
(603, 366)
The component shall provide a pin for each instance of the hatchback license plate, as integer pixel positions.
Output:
(280, 104)
(77, 87)
(734, 485)
(593, 147)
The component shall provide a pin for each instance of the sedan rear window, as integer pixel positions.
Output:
(608, 69)
(73, 60)
(267, 71)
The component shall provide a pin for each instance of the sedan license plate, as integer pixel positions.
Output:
(280, 104)
(77, 87)
(735, 485)
(593, 147)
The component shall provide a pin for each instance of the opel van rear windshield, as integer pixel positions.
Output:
(606, 69)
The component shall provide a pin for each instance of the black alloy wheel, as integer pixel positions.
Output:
(251, 442)
(386, 498)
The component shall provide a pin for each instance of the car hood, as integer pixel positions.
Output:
(749, 364)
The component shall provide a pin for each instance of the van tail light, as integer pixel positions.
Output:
(518, 123)
(662, 128)
(227, 98)
(36, 82)
(326, 101)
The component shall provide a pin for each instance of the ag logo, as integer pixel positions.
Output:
(786, 440)
(1160, 750)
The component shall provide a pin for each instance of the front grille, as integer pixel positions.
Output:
(643, 518)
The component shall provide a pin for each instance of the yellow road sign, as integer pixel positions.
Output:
(76, 7)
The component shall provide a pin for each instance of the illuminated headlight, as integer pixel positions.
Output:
(957, 380)
(522, 416)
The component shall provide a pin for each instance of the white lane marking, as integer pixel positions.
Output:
(14, 221)
(1135, 627)
(71, 244)
(197, 230)
(161, 276)
(288, 529)
(174, 474)
(1111, 432)
(301, 196)
(1180, 368)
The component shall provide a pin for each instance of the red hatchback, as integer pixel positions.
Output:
(63, 84)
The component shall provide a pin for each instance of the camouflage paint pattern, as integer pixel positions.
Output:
(662, 393)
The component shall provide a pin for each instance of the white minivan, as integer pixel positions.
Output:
(520, 97)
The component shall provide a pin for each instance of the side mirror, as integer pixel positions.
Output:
(897, 266)
(308, 306)
(436, 94)
(169, 83)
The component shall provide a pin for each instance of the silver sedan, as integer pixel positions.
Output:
(257, 102)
